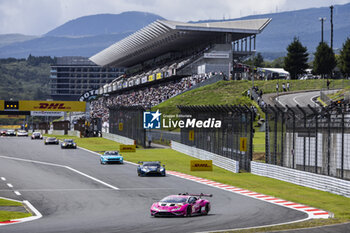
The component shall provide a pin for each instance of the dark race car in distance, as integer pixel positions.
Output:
(68, 143)
(37, 135)
(146, 168)
(51, 140)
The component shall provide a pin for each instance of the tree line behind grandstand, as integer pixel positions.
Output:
(25, 79)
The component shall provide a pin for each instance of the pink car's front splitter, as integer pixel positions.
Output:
(313, 213)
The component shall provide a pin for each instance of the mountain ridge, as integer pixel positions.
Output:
(85, 36)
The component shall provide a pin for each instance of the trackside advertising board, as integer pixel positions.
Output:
(2, 104)
(201, 165)
(51, 106)
(127, 148)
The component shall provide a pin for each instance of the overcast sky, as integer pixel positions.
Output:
(36, 17)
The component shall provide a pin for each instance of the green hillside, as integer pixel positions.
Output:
(234, 92)
(24, 79)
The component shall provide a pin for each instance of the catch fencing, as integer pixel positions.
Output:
(128, 122)
(236, 124)
(310, 139)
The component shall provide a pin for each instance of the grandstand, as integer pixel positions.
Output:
(72, 76)
(167, 58)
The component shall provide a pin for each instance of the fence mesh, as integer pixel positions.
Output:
(128, 122)
(225, 140)
(310, 139)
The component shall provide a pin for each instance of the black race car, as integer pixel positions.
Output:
(51, 140)
(68, 143)
(37, 135)
(150, 168)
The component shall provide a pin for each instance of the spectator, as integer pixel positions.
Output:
(288, 86)
(277, 87)
(284, 87)
(146, 97)
(149, 139)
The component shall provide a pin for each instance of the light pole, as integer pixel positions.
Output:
(331, 7)
(322, 19)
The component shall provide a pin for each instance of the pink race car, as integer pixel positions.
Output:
(182, 205)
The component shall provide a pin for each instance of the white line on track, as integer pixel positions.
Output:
(294, 99)
(17, 193)
(10, 185)
(67, 167)
(92, 178)
(3, 178)
(84, 190)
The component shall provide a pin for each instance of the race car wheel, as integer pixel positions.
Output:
(189, 211)
(207, 209)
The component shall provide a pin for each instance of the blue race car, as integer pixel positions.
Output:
(150, 168)
(111, 157)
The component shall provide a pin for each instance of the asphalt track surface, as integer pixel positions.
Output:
(71, 202)
(302, 99)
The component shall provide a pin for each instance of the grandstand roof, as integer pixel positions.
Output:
(163, 36)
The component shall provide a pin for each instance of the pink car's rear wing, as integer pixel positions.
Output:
(199, 195)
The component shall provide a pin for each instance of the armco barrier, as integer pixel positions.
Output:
(118, 138)
(218, 160)
(56, 132)
(74, 133)
(307, 179)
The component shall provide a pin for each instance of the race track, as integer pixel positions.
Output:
(74, 193)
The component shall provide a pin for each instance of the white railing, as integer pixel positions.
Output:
(118, 138)
(218, 160)
(307, 179)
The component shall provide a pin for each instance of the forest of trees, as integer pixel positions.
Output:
(25, 79)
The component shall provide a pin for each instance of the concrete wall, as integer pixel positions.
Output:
(218, 160)
(56, 132)
(307, 179)
(118, 138)
(74, 133)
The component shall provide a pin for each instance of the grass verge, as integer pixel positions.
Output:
(9, 215)
(5, 202)
(176, 161)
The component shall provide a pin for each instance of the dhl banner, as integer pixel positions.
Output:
(201, 165)
(127, 148)
(2, 104)
(51, 106)
(12, 117)
(10, 126)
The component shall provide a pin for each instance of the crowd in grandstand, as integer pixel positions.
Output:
(146, 97)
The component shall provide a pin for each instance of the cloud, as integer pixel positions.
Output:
(37, 17)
